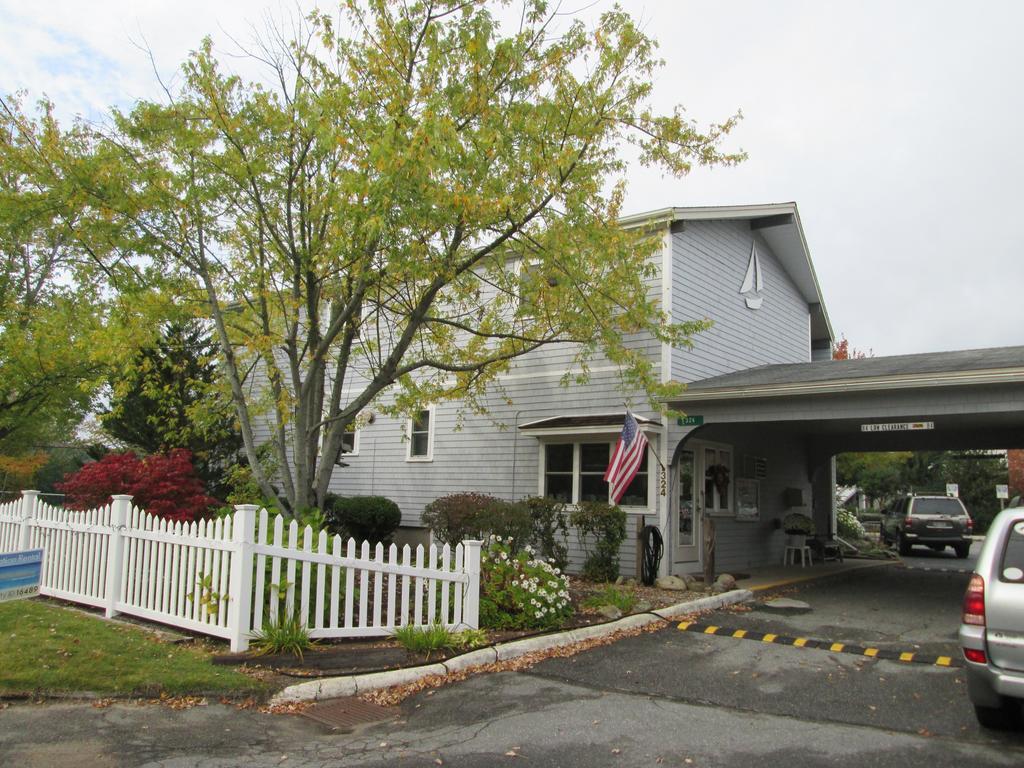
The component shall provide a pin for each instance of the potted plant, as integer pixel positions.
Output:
(798, 527)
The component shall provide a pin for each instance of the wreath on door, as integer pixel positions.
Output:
(719, 475)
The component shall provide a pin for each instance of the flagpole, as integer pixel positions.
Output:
(663, 479)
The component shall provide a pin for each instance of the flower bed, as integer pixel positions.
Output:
(325, 659)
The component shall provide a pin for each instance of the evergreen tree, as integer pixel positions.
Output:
(168, 397)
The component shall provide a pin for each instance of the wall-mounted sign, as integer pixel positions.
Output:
(1002, 491)
(20, 574)
(903, 426)
(748, 500)
(952, 489)
(690, 421)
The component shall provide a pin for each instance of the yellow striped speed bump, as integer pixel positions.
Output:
(807, 642)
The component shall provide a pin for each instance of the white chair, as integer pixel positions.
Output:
(790, 553)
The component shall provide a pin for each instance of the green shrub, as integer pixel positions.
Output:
(624, 600)
(848, 526)
(511, 521)
(550, 531)
(283, 636)
(456, 517)
(519, 592)
(605, 524)
(459, 516)
(470, 639)
(364, 518)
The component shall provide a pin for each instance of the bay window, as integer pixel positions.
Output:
(574, 472)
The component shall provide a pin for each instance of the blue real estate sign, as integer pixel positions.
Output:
(20, 573)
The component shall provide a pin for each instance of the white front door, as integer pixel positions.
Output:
(703, 485)
(688, 509)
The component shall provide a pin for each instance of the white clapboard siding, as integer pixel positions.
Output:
(233, 576)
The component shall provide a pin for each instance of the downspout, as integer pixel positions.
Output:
(515, 443)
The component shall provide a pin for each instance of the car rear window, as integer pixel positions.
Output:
(947, 507)
(1012, 567)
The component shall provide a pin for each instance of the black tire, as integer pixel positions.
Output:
(962, 550)
(904, 546)
(997, 718)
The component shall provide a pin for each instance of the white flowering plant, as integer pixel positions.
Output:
(519, 591)
(849, 527)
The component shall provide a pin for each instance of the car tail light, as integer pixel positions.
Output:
(970, 525)
(908, 521)
(973, 654)
(974, 602)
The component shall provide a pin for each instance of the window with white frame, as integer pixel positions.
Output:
(717, 480)
(350, 440)
(574, 472)
(558, 472)
(421, 435)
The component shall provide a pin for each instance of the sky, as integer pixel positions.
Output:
(893, 125)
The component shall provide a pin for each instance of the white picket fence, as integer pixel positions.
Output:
(230, 577)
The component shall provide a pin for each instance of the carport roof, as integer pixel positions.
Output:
(932, 369)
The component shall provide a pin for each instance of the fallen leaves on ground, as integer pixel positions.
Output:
(180, 702)
(389, 697)
(288, 708)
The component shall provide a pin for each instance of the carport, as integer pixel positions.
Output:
(780, 427)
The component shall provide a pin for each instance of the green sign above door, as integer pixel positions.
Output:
(690, 421)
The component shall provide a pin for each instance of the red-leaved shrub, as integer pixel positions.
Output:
(163, 485)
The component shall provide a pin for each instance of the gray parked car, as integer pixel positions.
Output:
(933, 521)
(992, 624)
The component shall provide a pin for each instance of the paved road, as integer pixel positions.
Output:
(922, 557)
(665, 698)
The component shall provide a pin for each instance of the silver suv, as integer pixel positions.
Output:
(992, 624)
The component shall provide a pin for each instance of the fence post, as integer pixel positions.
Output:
(471, 605)
(29, 499)
(119, 509)
(240, 585)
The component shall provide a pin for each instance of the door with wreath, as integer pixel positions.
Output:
(704, 490)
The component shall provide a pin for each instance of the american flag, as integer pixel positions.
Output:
(626, 458)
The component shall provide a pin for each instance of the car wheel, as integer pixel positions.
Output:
(962, 550)
(904, 546)
(997, 718)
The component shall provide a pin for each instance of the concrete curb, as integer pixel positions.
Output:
(352, 685)
(705, 604)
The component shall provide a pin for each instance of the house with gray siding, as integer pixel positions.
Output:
(745, 268)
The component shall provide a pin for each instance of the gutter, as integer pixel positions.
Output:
(873, 384)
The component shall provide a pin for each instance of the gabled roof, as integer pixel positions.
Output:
(931, 369)
(779, 224)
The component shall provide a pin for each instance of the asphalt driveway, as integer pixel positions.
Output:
(886, 608)
(946, 560)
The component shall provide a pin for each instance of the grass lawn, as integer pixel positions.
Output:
(45, 648)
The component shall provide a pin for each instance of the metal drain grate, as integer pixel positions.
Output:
(347, 713)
